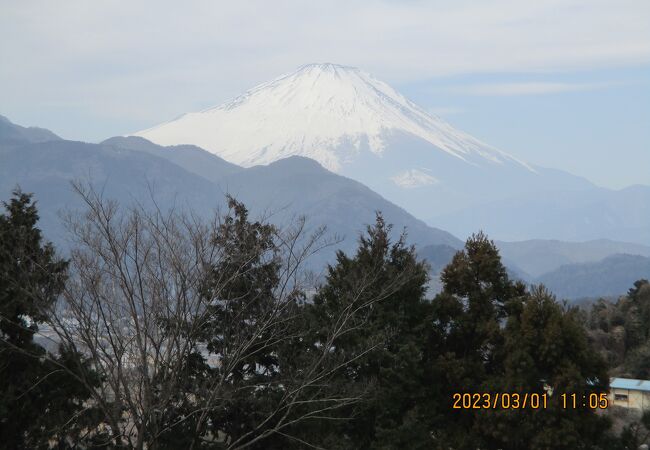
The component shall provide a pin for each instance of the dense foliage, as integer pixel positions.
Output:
(41, 398)
(491, 335)
(621, 331)
(191, 336)
(387, 343)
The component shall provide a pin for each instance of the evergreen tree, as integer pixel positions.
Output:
(40, 398)
(621, 331)
(386, 283)
(490, 335)
(465, 347)
(548, 352)
(243, 285)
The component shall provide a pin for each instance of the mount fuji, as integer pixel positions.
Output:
(358, 126)
(326, 112)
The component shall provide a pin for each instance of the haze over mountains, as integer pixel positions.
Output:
(537, 257)
(358, 126)
(335, 144)
(132, 169)
(608, 277)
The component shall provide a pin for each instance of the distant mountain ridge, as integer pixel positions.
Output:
(12, 134)
(537, 257)
(566, 215)
(133, 169)
(301, 184)
(612, 276)
(128, 169)
(189, 157)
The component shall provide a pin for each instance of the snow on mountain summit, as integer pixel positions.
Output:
(327, 112)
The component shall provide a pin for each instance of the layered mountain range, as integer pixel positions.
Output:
(133, 169)
(186, 177)
(358, 126)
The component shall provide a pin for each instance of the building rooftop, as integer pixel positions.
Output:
(630, 383)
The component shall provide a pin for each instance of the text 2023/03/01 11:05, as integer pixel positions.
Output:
(531, 400)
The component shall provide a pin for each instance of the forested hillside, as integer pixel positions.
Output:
(621, 331)
(174, 332)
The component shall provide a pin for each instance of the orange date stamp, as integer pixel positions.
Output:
(527, 400)
(499, 400)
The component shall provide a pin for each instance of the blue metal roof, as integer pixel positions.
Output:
(630, 383)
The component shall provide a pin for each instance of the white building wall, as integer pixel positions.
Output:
(633, 399)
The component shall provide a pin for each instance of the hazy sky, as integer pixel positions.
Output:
(562, 84)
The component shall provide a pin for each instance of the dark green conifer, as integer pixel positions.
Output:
(386, 283)
(41, 400)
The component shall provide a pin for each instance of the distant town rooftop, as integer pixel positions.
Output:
(630, 383)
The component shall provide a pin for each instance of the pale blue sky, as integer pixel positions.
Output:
(559, 83)
(593, 123)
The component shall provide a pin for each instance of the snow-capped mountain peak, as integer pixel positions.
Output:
(328, 112)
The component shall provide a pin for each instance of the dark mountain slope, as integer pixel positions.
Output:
(298, 184)
(539, 256)
(610, 277)
(47, 169)
(12, 134)
(189, 157)
(295, 185)
(133, 169)
(289, 188)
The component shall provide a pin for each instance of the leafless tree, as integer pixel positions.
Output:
(138, 306)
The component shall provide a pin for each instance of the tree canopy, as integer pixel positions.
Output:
(40, 393)
(172, 332)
